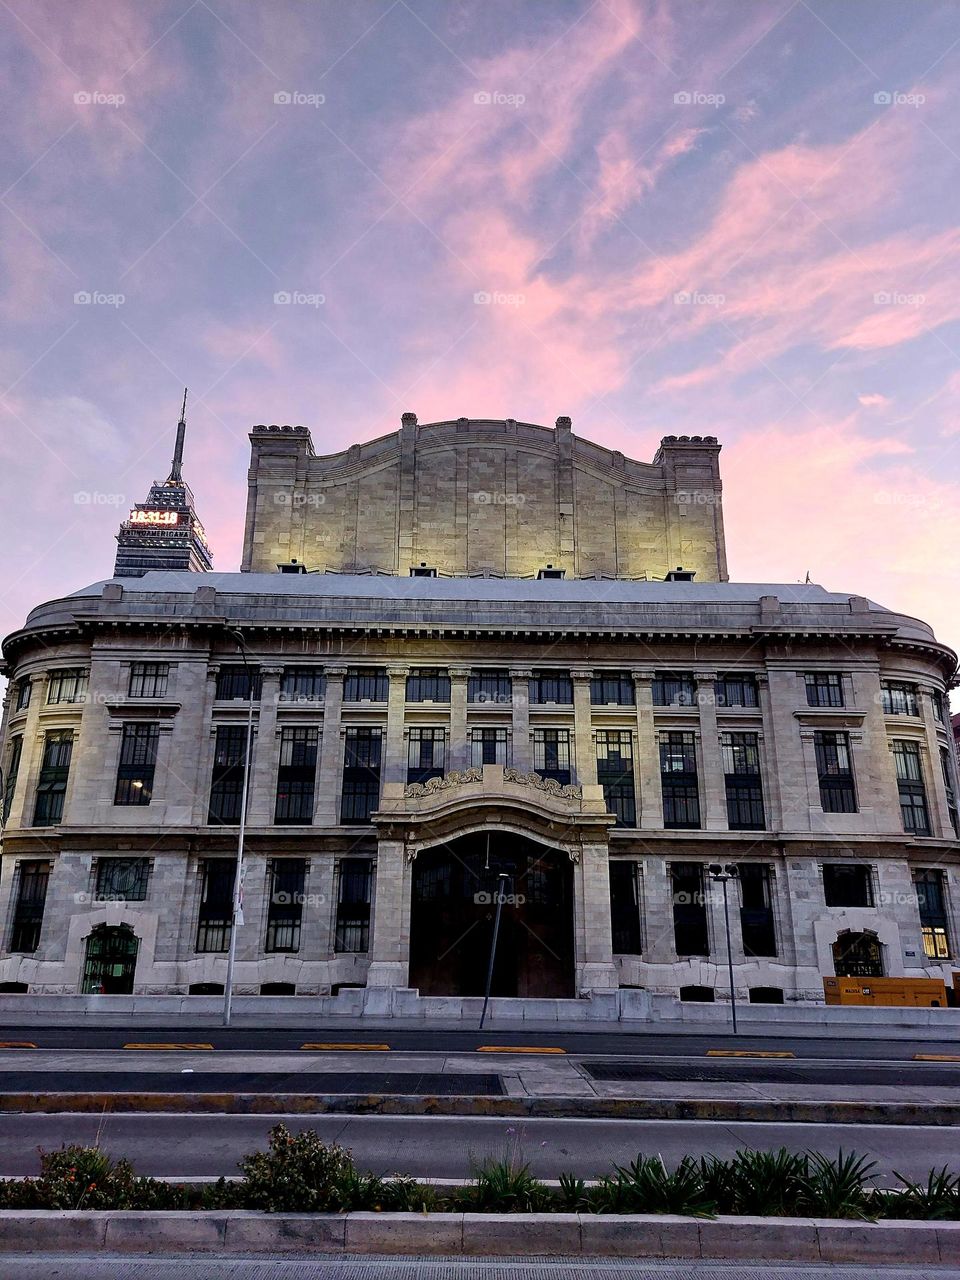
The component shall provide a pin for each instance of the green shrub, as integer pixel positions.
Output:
(77, 1177)
(838, 1188)
(646, 1186)
(299, 1174)
(937, 1199)
(573, 1193)
(502, 1186)
(768, 1182)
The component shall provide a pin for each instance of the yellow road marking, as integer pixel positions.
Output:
(750, 1053)
(137, 1045)
(936, 1057)
(17, 1044)
(351, 1048)
(517, 1048)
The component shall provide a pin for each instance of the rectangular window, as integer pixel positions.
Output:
(950, 789)
(932, 904)
(899, 699)
(302, 684)
(24, 689)
(490, 686)
(235, 680)
(148, 679)
(678, 778)
(551, 686)
(939, 706)
(689, 909)
(741, 767)
(551, 754)
(427, 684)
(52, 783)
(287, 878)
(488, 746)
(296, 776)
(847, 884)
(736, 691)
(216, 903)
(835, 773)
(138, 764)
(426, 754)
(615, 774)
(674, 689)
(10, 779)
(361, 775)
(366, 684)
(354, 891)
(824, 689)
(28, 909)
(913, 797)
(756, 909)
(625, 908)
(612, 686)
(226, 789)
(122, 879)
(68, 684)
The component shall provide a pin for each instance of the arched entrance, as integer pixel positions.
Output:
(858, 955)
(111, 958)
(452, 913)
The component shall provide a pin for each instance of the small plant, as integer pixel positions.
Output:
(646, 1186)
(768, 1182)
(299, 1174)
(938, 1199)
(502, 1186)
(77, 1177)
(838, 1188)
(573, 1193)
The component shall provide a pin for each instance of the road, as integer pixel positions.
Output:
(447, 1147)
(57, 1267)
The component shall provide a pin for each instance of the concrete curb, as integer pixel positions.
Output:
(481, 1234)
(763, 1111)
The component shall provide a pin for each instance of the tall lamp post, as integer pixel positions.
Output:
(722, 875)
(236, 911)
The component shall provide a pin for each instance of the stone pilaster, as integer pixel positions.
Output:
(394, 765)
(263, 780)
(584, 746)
(650, 808)
(458, 756)
(712, 787)
(772, 809)
(326, 808)
(31, 758)
(522, 755)
(940, 824)
(595, 964)
(390, 951)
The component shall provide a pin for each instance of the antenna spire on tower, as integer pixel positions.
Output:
(176, 468)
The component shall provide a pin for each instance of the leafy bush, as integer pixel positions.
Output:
(839, 1188)
(573, 1193)
(766, 1182)
(77, 1177)
(503, 1186)
(646, 1186)
(937, 1199)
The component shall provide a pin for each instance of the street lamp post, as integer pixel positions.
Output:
(722, 875)
(236, 911)
(502, 881)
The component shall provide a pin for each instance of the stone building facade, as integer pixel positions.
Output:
(585, 748)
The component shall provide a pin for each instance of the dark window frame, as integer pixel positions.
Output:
(354, 906)
(835, 777)
(287, 878)
(551, 754)
(53, 777)
(148, 679)
(226, 783)
(235, 680)
(848, 884)
(824, 688)
(615, 773)
(428, 684)
(674, 689)
(296, 776)
(122, 879)
(620, 684)
(362, 765)
(424, 761)
(366, 684)
(553, 687)
(626, 910)
(490, 687)
(303, 684)
(215, 908)
(137, 763)
(33, 878)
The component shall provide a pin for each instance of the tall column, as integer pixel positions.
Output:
(595, 965)
(769, 773)
(394, 767)
(390, 951)
(648, 754)
(712, 782)
(263, 779)
(458, 756)
(522, 757)
(326, 810)
(31, 758)
(586, 751)
(940, 823)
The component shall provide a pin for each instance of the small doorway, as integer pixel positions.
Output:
(110, 961)
(858, 955)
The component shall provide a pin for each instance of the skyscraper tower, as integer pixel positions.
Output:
(164, 532)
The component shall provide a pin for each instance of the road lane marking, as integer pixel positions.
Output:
(161, 1045)
(518, 1048)
(750, 1053)
(17, 1044)
(350, 1048)
(936, 1057)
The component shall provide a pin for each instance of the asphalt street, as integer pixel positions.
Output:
(449, 1147)
(58, 1267)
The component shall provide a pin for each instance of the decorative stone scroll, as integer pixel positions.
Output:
(452, 779)
(553, 788)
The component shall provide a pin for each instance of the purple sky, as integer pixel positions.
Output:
(735, 218)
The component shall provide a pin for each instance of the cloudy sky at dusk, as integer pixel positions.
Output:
(727, 218)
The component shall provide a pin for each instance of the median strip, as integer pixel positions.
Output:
(750, 1053)
(324, 1047)
(518, 1048)
(147, 1045)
